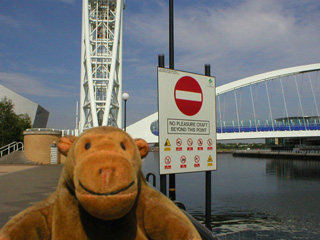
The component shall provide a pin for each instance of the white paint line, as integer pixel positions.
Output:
(191, 96)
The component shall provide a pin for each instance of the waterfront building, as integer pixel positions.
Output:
(299, 143)
(39, 116)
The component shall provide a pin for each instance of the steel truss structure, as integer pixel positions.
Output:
(101, 64)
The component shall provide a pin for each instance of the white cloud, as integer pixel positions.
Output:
(25, 84)
(52, 70)
(147, 27)
(241, 40)
(9, 21)
(68, 1)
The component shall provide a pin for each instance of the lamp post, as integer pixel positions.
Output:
(125, 97)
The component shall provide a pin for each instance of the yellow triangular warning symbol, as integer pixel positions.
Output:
(167, 143)
(210, 159)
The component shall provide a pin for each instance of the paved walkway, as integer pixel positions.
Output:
(16, 158)
(6, 169)
(23, 185)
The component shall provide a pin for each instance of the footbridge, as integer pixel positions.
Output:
(276, 104)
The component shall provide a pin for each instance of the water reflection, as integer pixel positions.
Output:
(293, 169)
(254, 198)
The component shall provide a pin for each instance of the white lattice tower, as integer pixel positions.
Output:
(101, 64)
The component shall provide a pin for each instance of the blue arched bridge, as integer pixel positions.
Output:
(281, 103)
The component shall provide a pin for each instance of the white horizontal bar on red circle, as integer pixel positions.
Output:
(191, 96)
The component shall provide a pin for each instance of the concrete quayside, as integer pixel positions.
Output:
(301, 155)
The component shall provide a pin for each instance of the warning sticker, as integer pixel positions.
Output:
(210, 161)
(178, 143)
(167, 143)
(167, 160)
(183, 159)
(189, 142)
(210, 142)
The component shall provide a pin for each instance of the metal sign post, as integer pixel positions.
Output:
(163, 178)
(172, 177)
(208, 178)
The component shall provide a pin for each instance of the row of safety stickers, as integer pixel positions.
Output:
(200, 145)
(183, 162)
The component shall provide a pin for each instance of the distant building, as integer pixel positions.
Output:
(39, 116)
(296, 144)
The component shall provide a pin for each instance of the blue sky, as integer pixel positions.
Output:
(40, 46)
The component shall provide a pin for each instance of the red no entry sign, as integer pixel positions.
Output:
(188, 96)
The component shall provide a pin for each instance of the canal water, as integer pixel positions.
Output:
(253, 198)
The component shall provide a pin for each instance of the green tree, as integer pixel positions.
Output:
(11, 124)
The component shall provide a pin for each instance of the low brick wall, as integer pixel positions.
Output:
(37, 145)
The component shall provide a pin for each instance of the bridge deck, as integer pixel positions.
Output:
(268, 128)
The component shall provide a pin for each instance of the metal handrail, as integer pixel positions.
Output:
(12, 147)
(6, 146)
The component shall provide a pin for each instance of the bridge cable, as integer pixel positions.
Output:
(235, 97)
(224, 107)
(257, 100)
(295, 79)
(314, 97)
(241, 122)
(220, 113)
(285, 103)
(317, 90)
(254, 112)
(271, 117)
(306, 120)
(271, 97)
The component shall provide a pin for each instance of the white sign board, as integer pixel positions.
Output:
(187, 122)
